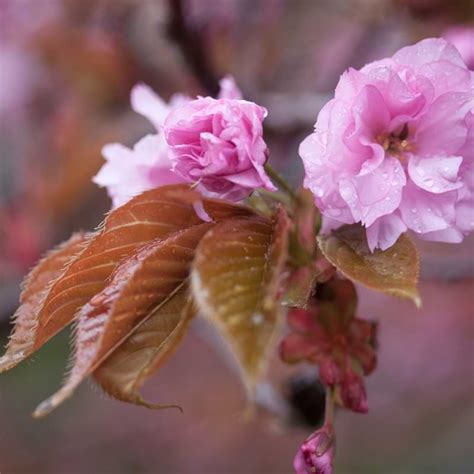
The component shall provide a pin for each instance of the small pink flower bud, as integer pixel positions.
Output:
(316, 454)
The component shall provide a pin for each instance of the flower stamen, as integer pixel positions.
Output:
(396, 144)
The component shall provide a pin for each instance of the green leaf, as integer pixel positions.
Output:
(394, 271)
(236, 279)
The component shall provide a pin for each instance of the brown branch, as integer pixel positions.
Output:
(192, 47)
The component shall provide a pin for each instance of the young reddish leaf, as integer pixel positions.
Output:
(154, 214)
(394, 271)
(235, 282)
(51, 267)
(139, 286)
(125, 371)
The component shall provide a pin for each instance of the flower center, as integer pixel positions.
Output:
(396, 144)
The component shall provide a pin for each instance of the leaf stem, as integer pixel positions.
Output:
(280, 182)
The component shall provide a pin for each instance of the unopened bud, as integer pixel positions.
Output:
(353, 393)
(316, 454)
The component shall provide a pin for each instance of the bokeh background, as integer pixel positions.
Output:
(66, 70)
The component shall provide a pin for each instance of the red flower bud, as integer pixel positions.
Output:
(353, 393)
(330, 372)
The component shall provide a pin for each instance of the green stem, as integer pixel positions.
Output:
(280, 182)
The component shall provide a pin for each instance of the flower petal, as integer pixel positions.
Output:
(229, 89)
(149, 104)
(443, 130)
(428, 51)
(374, 195)
(385, 231)
(435, 174)
(425, 212)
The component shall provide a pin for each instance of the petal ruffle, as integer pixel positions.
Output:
(374, 195)
(435, 174)
(385, 231)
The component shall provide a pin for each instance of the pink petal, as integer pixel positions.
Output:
(385, 231)
(149, 104)
(462, 37)
(201, 212)
(443, 130)
(370, 112)
(229, 89)
(451, 235)
(465, 214)
(374, 195)
(425, 212)
(428, 51)
(435, 174)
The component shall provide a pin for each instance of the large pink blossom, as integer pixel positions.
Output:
(128, 172)
(219, 144)
(394, 149)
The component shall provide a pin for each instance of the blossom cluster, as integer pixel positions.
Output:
(394, 149)
(216, 143)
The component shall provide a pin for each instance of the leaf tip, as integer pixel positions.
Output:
(157, 406)
(417, 300)
(46, 407)
(10, 360)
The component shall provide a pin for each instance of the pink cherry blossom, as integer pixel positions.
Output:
(393, 149)
(462, 37)
(316, 454)
(218, 143)
(128, 172)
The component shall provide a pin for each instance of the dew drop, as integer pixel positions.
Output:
(257, 319)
